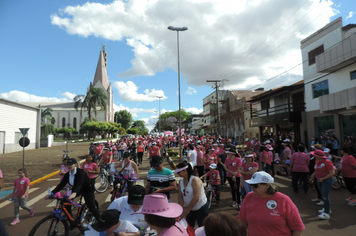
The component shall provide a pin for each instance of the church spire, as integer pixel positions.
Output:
(101, 72)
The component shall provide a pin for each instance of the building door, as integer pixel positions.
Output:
(2, 142)
(298, 101)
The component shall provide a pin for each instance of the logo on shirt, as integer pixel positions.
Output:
(233, 164)
(271, 204)
(214, 175)
(22, 181)
(161, 180)
(86, 165)
(322, 165)
(250, 168)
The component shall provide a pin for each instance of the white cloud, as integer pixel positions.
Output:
(351, 13)
(234, 40)
(193, 110)
(69, 95)
(134, 111)
(128, 92)
(191, 91)
(19, 96)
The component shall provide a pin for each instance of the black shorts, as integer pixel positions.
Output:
(350, 184)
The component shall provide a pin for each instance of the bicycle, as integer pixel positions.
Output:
(101, 183)
(57, 222)
(338, 183)
(121, 190)
(209, 192)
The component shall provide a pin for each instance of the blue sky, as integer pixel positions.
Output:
(50, 48)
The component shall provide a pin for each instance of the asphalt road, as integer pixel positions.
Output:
(342, 222)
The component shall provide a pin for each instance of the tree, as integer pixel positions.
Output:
(124, 118)
(140, 124)
(170, 120)
(46, 114)
(94, 98)
(133, 131)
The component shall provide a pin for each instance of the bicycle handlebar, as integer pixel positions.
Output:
(65, 198)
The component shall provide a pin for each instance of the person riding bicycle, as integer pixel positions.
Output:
(107, 159)
(129, 168)
(133, 150)
(79, 184)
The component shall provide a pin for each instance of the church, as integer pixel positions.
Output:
(64, 112)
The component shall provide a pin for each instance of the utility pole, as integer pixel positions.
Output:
(216, 87)
(159, 114)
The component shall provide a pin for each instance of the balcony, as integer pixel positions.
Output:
(284, 113)
(343, 54)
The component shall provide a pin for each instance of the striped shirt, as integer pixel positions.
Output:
(160, 179)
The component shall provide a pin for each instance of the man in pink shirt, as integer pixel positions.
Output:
(299, 164)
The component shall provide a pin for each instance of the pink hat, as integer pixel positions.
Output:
(157, 204)
(269, 147)
(318, 153)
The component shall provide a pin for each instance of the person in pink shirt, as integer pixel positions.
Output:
(200, 161)
(233, 166)
(299, 164)
(266, 211)
(209, 158)
(214, 176)
(20, 195)
(108, 161)
(64, 169)
(1, 176)
(324, 172)
(348, 171)
(249, 167)
(90, 167)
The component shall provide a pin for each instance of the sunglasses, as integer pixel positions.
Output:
(257, 185)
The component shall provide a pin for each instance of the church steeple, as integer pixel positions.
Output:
(101, 72)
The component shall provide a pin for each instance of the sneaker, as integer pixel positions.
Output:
(348, 199)
(321, 203)
(324, 216)
(32, 212)
(233, 204)
(352, 203)
(316, 200)
(111, 184)
(323, 210)
(15, 221)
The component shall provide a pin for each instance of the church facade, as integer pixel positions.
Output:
(64, 112)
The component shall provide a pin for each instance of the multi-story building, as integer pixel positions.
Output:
(329, 71)
(195, 122)
(234, 112)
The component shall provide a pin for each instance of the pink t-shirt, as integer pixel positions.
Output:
(346, 168)
(200, 159)
(218, 151)
(175, 230)
(89, 166)
(249, 168)
(233, 165)
(276, 215)
(270, 157)
(300, 162)
(1, 176)
(212, 159)
(20, 185)
(262, 157)
(214, 176)
(286, 152)
(63, 168)
(107, 157)
(322, 168)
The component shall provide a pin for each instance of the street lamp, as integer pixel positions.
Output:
(179, 127)
(159, 114)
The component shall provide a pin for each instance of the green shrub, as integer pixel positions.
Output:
(172, 153)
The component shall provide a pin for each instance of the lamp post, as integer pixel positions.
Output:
(179, 122)
(159, 113)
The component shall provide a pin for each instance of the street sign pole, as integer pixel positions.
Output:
(24, 132)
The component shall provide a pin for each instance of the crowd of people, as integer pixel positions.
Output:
(262, 209)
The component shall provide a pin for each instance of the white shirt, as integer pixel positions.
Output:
(121, 205)
(188, 193)
(193, 156)
(125, 226)
(71, 176)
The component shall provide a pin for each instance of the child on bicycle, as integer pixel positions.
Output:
(111, 224)
(20, 195)
(214, 177)
(129, 168)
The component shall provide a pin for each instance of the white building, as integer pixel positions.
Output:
(329, 70)
(64, 112)
(14, 116)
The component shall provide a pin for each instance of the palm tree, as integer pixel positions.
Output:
(46, 114)
(94, 98)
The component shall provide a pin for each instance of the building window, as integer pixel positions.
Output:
(325, 127)
(353, 75)
(75, 123)
(63, 122)
(320, 89)
(265, 104)
(313, 53)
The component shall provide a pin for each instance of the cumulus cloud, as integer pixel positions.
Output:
(234, 40)
(134, 111)
(351, 13)
(193, 110)
(19, 96)
(191, 91)
(128, 92)
(69, 95)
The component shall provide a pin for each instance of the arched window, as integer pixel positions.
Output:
(63, 122)
(75, 123)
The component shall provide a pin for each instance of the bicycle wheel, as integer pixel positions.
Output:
(86, 218)
(101, 183)
(209, 196)
(337, 183)
(50, 226)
